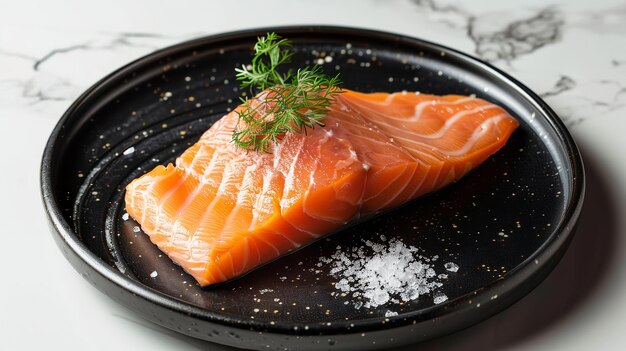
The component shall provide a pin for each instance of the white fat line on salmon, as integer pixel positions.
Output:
(388, 100)
(211, 263)
(289, 178)
(188, 201)
(159, 204)
(419, 108)
(450, 176)
(349, 125)
(344, 130)
(400, 189)
(277, 150)
(300, 229)
(261, 239)
(447, 125)
(131, 190)
(192, 230)
(421, 182)
(321, 142)
(411, 141)
(144, 198)
(305, 197)
(227, 172)
(408, 151)
(258, 254)
(398, 146)
(246, 255)
(436, 179)
(478, 133)
(293, 243)
(212, 168)
(244, 196)
(206, 155)
(456, 117)
(380, 190)
(188, 171)
(231, 260)
(199, 252)
(259, 202)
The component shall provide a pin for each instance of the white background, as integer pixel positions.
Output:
(574, 53)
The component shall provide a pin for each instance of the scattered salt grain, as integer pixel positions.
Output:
(390, 313)
(265, 291)
(451, 267)
(125, 216)
(440, 298)
(129, 151)
(136, 229)
(154, 274)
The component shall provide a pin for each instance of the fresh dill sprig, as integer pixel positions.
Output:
(292, 102)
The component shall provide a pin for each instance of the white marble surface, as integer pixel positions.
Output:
(571, 52)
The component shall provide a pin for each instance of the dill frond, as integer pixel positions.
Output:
(292, 102)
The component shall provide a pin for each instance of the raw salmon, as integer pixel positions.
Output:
(221, 211)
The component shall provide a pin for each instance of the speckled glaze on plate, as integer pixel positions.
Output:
(506, 224)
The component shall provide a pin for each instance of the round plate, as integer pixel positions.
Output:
(506, 224)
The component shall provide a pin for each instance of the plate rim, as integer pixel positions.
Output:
(63, 230)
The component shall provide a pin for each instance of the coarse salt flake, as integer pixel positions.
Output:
(440, 298)
(390, 313)
(451, 267)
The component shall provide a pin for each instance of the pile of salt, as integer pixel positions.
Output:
(376, 274)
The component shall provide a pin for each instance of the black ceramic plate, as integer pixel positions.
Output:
(506, 224)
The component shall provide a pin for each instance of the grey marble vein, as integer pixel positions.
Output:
(39, 84)
(127, 39)
(45, 88)
(451, 15)
(138, 40)
(564, 83)
(518, 38)
(617, 63)
(438, 6)
(53, 52)
(17, 55)
(494, 40)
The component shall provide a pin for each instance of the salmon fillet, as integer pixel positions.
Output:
(220, 211)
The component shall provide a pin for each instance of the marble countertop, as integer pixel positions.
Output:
(573, 53)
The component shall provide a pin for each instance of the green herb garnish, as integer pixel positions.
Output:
(293, 101)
